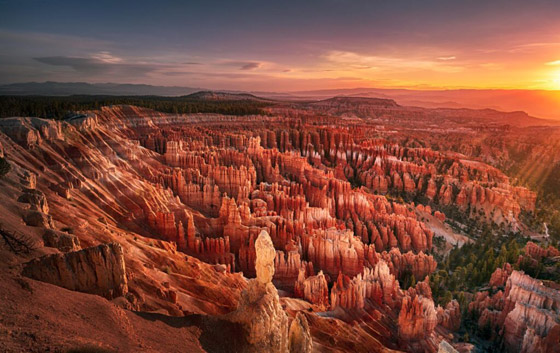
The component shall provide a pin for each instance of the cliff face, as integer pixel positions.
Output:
(97, 270)
(535, 313)
(525, 314)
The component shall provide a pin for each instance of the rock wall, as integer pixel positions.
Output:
(97, 270)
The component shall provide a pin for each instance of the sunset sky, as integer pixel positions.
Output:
(284, 45)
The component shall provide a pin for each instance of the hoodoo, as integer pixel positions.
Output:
(260, 312)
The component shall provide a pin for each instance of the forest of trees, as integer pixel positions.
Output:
(470, 267)
(60, 107)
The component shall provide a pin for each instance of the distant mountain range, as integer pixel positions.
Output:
(77, 88)
(540, 103)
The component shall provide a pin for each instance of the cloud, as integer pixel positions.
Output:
(352, 60)
(553, 63)
(447, 58)
(106, 57)
(531, 47)
(250, 66)
(84, 65)
(241, 65)
(99, 64)
(204, 74)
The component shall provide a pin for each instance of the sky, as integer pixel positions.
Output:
(284, 45)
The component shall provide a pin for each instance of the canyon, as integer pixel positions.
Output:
(309, 228)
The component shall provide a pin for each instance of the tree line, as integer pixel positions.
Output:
(51, 107)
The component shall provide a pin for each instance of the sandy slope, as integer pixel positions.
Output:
(39, 317)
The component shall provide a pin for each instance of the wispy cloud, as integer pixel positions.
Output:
(553, 63)
(100, 63)
(241, 65)
(447, 58)
(352, 60)
(531, 47)
(106, 57)
(250, 66)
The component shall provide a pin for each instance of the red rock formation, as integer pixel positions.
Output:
(377, 285)
(334, 251)
(36, 199)
(421, 288)
(500, 276)
(314, 289)
(98, 270)
(289, 266)
(299, 337)
(524, 314)
(212, 183)
(420, 265)
(417, 318)
(30, 132)
(531, 307)
(450, 317)
(536, 252)
(260, 312)
(62, 241)
(440, 216)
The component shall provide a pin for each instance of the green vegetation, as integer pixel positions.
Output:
(61, 107)
(470, 267)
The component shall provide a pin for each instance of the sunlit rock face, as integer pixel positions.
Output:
(300, 340)
(525, 314)
(97, 270)
(265, 258)
(314, 289)
(417, 318)
(260, 312)
(531, 312)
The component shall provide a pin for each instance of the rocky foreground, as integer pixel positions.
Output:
(218, 233)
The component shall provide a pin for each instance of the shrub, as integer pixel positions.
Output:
(4, 166)
(68, 230)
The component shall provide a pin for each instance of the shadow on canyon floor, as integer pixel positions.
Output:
(216, 335)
